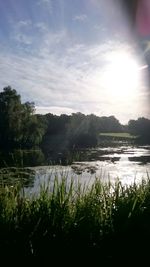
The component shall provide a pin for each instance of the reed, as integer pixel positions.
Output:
(104, 220)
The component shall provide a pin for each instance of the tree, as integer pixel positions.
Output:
(33, 132)
(10, 117)
(19, 126)
(141, 128)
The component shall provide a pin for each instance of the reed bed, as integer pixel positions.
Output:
(105, 222)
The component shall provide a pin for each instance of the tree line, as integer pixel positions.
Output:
(21, 128)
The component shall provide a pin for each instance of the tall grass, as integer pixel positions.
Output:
(108, 221)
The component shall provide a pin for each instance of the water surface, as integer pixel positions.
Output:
(126, 163)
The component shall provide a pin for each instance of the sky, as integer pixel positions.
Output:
(72, 56)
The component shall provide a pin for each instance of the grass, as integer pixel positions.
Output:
(105, 222)
(119, 135)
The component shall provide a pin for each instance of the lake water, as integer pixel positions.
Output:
(126, 163)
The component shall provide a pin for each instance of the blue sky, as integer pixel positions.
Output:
(64, 55)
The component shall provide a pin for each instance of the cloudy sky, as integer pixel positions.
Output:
(73, 56)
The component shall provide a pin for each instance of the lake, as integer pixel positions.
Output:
(127, 163)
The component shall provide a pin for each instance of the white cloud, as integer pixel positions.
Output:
(81, 17)
(55, 110)
(66, 80)
(23, 38)
(20, 32)
(99, 27)
(41, 26)
(23, 23)
(25, 32)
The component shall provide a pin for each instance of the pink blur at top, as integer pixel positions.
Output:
(143, 18)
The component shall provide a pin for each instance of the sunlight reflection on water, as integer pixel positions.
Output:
(127, 166)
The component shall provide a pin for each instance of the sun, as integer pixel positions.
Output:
(121, 77)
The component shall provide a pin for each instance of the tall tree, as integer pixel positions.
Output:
(19, 126)
(10, 117)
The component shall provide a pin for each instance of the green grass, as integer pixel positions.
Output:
(105, 222)
(119, 135)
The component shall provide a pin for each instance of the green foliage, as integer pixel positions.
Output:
(19, 126)
(104, 219)
(22, 128)
(140, 127)
(10, 117)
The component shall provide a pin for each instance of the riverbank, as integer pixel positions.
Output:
(107, 222)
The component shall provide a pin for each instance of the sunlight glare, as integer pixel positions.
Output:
(122, 75)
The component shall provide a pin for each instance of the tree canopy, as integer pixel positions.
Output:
(20, 127)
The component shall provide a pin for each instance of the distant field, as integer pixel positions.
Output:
(120, 135)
